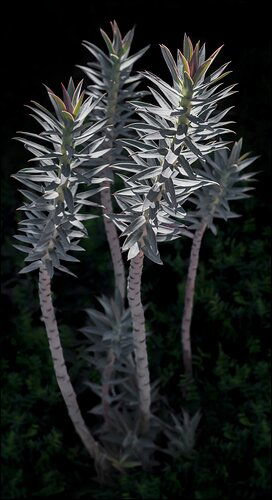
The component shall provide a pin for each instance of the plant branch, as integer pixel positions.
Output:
(113, 241)
(62, 376)
(189, 298)
(139, 337)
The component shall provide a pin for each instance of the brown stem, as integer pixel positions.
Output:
(63, 379)
(139, 337)
(113, 241)
(189, 298)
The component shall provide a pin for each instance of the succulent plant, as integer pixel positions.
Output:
(63, 153)
(181, 128)
(227, 170)
(115, 84)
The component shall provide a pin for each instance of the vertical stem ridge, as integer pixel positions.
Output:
(189, 298)
(113, 241)
(139, 337)
(62, 376)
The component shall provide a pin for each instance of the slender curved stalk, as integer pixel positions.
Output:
(62, 376)
(113, 241)
(189, 298)
(139, 337)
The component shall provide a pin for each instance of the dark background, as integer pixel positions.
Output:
(41, 455)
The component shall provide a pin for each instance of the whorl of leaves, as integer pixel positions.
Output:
(114, 83)
(228, 170)
(181, 434)
(111, 329)
(181, 128)
(63, 154)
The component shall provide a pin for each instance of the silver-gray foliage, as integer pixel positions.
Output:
(228, 170)
(183, 127)
(62, 154)
(110, 329)
(113, 81)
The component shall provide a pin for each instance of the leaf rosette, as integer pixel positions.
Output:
(65, 157)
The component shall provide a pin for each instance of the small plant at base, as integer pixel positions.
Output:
(110, 332)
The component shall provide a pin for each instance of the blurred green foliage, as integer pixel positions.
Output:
(230, 335)
(42, 456)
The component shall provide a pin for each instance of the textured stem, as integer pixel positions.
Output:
(113, 241)
(63, 379)
(139, 337)
(189, 298)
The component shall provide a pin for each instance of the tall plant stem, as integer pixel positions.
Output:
(139, 337)
(189, 298)
(113, 241)
(110, 228)
(62, 376)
